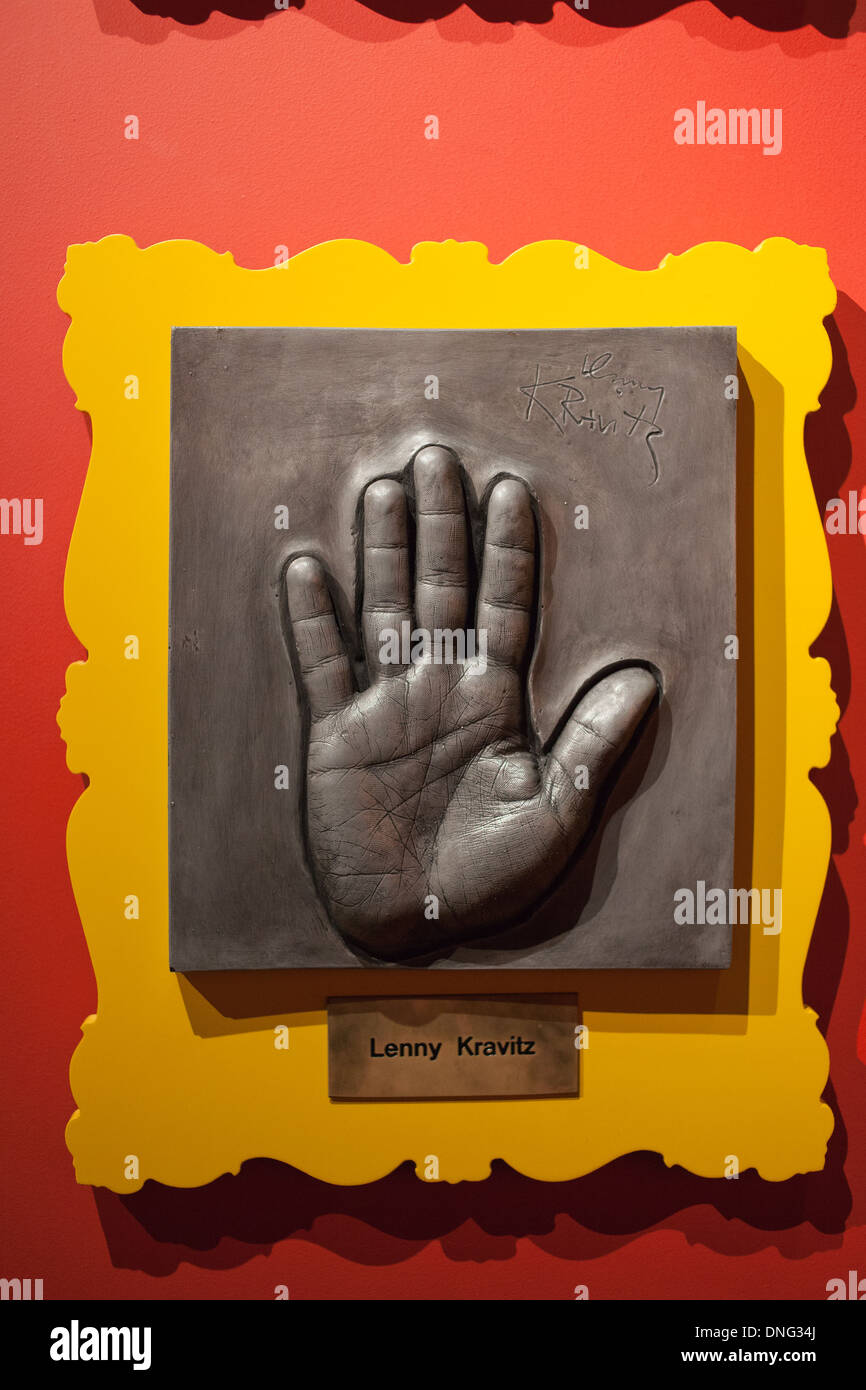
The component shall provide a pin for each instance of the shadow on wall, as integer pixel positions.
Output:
(832, 18)
(235, 1218)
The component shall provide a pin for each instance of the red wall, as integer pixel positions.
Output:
(294, 129)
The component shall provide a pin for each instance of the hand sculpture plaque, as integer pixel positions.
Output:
(450, 614)
(427, 786)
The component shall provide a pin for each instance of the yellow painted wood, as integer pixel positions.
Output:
(183, 1074)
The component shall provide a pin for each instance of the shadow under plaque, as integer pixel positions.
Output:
(626, 440)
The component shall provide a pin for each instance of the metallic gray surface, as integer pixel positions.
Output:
(308, 418)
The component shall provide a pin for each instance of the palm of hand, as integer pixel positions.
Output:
(431, 819)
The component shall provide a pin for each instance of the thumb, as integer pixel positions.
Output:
(598, 732)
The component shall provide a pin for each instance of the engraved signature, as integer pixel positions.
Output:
(566, 404)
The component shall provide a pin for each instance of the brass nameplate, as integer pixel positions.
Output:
(511, 1045)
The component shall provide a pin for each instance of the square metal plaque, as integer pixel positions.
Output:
(626, 440)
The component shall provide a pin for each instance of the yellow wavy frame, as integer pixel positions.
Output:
(698, 1066)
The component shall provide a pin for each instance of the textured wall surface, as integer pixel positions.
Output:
(287, 131)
